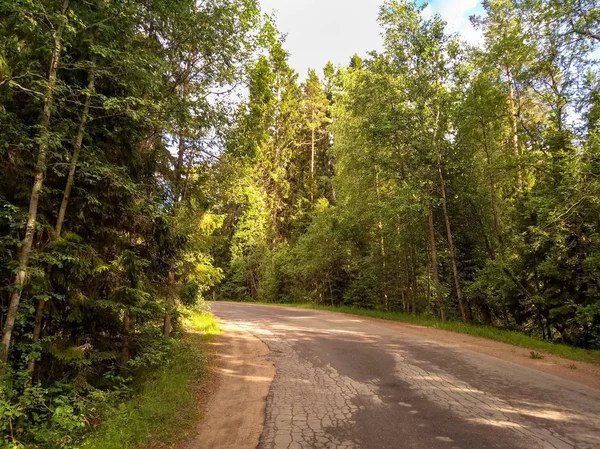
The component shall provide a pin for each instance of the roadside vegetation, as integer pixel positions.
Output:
(157, 408)
(163, 409)
(157, 153)
(431, 178)
(106, 197)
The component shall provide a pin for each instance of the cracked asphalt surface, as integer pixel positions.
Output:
(343, 382)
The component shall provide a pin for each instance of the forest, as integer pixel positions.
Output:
(159, 153)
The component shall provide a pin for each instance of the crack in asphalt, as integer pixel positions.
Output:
(309, 406)
(475, 405)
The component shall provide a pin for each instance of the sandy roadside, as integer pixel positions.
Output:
(234, 414)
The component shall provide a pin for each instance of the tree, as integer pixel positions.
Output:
(461, 178)
(59, 23)
(316, 105)
(91, 101)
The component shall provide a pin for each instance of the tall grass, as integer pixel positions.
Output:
(202, 322)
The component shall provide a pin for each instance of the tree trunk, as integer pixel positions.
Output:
(428, 287)
(411, 282)
(514, 127)
(493, 193)
(403, 295)
(435, 267)
(177, 197)
(312, 166)
(402, 286)
(76, 151)
(382, 245)
(413, 272)
(182, 137)
(40, 170)
(39, 312)
(383, 266)
(126, 348)
(446, 219)
(188, 172)
(37, 329)
(451, 250)
(168, 325)
(409, 289)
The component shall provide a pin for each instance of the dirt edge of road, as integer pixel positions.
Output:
(234, 412)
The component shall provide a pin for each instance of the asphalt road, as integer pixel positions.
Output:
(347, 383)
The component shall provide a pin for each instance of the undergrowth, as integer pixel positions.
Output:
(163, 411)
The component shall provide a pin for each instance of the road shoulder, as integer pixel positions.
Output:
(234, 413)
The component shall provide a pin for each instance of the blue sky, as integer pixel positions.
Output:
(322, 30)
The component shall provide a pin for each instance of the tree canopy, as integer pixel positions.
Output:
(449, 180)
(158, 153)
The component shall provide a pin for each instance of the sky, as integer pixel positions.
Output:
(333, 30)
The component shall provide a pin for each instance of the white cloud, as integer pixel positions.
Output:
(322, 30)
(428, 12)
(456, 14)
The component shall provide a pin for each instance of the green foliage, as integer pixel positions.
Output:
(443, 181)
(158, 406)
(136, 237)
(451, 181)
(203, 322)
(54, 417)
(536, 355)
(163, 409)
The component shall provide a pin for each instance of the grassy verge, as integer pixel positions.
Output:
(513, 338)
(164, 411)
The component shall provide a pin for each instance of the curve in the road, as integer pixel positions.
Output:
(343, 382)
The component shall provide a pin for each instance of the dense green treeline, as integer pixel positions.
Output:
(108, 111)
(431, 178)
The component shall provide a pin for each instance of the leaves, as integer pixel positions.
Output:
(95, 297)
(443, 155)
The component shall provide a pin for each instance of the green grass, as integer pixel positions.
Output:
(164, 411)
(492, 333)
(203, 323)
